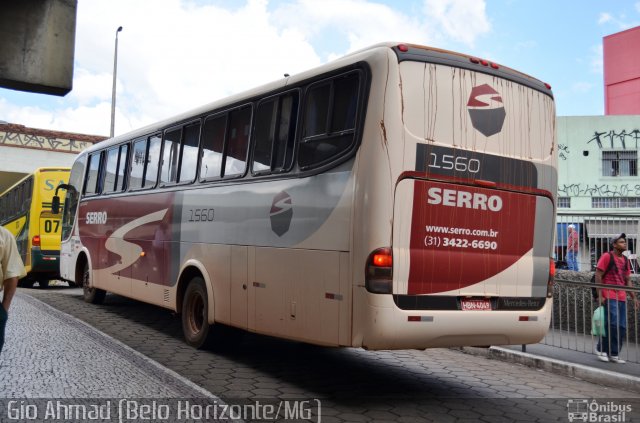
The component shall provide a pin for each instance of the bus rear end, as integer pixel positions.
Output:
(474, 164)
(46, 226)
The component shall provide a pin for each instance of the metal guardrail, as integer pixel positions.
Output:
(573, 307)
(594, 234)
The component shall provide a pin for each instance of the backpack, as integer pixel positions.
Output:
(611, 265)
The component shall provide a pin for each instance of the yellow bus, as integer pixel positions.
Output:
(25, 210)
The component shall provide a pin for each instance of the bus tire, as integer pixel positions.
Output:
(43, 283)
(195, 315)
(90, 294)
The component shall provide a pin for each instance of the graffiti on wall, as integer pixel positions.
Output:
(599, 190)
(563, 151)
(43, 142)
(613, 139)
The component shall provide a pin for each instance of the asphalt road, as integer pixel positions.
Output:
(349, 384)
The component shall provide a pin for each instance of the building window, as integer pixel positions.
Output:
(620, 163)
(564, 202)
(615, 202)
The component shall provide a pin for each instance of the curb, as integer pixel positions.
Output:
(565, 368)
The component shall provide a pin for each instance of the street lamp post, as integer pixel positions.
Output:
(113, 91)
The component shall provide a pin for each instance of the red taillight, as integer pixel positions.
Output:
(552, 275)
(35, 241)
(382, 260)
(493, 65)
(547, 85)
(379, 271)
(474, 60)
(484, 62)
(403, 48)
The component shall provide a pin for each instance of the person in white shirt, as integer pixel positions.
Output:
(11, 270)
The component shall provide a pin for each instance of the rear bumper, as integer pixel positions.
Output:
(385, 326)
(45, 261)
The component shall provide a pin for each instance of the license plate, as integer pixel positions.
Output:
(477, 305)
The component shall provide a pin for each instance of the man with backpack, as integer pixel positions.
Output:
(613, 269)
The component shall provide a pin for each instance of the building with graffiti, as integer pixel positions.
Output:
(23, 149)
(598, 183)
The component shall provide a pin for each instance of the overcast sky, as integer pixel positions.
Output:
(176, 55)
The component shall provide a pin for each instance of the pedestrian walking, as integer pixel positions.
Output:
(11, 270)
(613, 269)
(573, 244)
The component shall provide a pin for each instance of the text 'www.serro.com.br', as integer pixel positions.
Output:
(447, 230)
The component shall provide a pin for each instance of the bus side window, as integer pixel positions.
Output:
(93, 186)
(212, 147)
(138, 157)
(330, 117)
(189, 153)
(316, 110)
(123, 161)
(264, 134)
(285, 140)
(170, 156)
(274, 134)
(111, 169)
(19, 198)
(28, 186)
(344, 104)
(237, 142)
(152, 162)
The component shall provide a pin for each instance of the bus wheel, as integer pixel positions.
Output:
(43, 283)
(91, 295)
(195, 316)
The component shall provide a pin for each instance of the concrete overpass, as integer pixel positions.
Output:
(24, 149)
(37, 48)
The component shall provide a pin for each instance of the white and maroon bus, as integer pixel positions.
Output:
(399, 197)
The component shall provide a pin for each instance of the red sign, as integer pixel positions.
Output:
(462, 235)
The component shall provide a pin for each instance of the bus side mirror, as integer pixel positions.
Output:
(55, 201)
(55, 204)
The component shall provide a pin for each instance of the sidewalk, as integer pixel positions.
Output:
(567, 362)
(98, 365)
